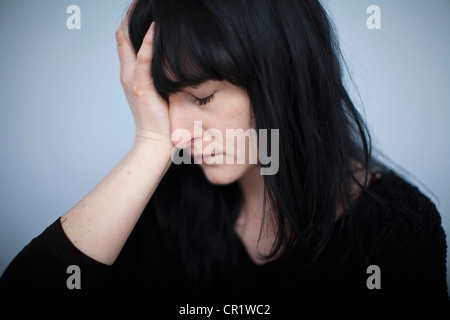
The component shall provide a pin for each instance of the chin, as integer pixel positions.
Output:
(223, 174)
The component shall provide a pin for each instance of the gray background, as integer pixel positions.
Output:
(65, 123)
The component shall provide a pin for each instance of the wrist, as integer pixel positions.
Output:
(154, 151)
(153, 139)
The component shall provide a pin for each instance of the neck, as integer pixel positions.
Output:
(258, 239)
(252, 188)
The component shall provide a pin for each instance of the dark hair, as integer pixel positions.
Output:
(285, 54)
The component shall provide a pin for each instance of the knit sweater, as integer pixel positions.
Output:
(397, 250)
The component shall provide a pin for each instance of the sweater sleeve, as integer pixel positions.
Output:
(50, 266)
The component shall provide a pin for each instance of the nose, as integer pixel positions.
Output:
(181, 117)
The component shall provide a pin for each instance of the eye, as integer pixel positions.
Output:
(203, 101)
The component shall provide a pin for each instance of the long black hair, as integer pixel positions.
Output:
(285, 54)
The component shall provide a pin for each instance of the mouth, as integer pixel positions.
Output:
(203, 157)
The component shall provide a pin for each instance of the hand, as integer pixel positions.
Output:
(149, 109)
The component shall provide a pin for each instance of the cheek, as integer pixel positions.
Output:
(238, 115)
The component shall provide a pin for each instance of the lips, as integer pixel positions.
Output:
(205, 156)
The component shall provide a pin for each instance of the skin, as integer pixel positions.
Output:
(100, 223)
(229, 108)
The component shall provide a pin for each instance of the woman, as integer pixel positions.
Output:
(328, 222)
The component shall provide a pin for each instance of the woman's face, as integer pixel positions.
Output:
(215, 120)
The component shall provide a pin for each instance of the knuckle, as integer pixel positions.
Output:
(141, 58)
(137, 89)
(124, 82)
(119, 36)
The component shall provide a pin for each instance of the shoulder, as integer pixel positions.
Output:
(401, 231)
(397, 203)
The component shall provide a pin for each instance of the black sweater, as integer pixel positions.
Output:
(401, 235)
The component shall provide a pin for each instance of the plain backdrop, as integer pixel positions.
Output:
(65, 122)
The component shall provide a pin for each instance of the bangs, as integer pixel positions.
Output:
(192, 50)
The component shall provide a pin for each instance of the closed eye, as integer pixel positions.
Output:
(203, 101)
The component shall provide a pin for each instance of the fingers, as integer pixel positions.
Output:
(127, 56)
(135, 69)
(144, 56)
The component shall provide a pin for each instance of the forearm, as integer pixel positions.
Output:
(100, 223)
